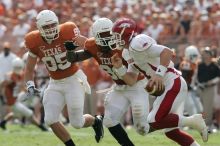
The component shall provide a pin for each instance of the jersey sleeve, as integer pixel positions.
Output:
(70, 30)
(143, 42)
(90, 46)
(155, 50)
(29, 44)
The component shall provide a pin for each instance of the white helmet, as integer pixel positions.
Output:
(17, 65)
(47, 24)
(101, 30)
(192, 53)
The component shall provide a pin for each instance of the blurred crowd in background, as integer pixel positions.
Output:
(173, 23)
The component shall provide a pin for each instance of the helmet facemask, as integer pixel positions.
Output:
(122, 38)
(106, 41)
(49, 31)
(193, 58)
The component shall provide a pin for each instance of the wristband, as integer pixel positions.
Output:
(161, 70)
(121, 71)
(30, 84)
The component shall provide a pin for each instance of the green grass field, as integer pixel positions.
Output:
(31, 136)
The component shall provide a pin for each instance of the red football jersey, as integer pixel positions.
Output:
(54, 55)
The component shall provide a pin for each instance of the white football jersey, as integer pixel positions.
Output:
(145, 53)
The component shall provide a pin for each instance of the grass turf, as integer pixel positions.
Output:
(31, 136)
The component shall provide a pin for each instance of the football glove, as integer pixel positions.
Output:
(70, 54)
(70, 46)
(32, 91)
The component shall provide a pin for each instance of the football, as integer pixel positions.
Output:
(152, 90)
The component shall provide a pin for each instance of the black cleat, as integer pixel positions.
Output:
(43, 127)
(98, 128)
(2, 125)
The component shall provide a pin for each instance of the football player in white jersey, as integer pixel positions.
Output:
(154, 61)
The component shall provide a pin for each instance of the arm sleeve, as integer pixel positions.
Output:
(29, 47)
(155, 50)
(79, 55)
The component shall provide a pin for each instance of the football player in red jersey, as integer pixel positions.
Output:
(154, 60)
(121, 96)
(68, 83)
(13, 90)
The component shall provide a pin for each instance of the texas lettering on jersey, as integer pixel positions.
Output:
(51, 51)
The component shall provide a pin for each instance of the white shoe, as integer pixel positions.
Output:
(198, 123)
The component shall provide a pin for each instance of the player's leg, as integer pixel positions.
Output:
(176, 134)
(74, 96)
(9, 115)
(25, 111)
(140, 109)
(163, 114)
(160, 116)
(115, 106)
(53, 102)
(180, 137)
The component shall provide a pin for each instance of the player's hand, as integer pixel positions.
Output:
(158, 81)
(32, 91)
(116, 61)
(70, 45)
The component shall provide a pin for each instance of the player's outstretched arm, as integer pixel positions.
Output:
(29, 79)
(75, 56)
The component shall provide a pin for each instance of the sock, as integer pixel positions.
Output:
(180, 137)
(120, 135)
(170, 121)
(69, 143)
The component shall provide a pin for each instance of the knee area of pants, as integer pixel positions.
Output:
(108, 122)
(137, 111)
(49, 121)
(77, 124)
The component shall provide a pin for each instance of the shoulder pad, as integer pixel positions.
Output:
(141, 42)
(90, 43)
(31, 39)
(69, 30)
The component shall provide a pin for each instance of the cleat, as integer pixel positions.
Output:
(98, 128)
(2, 125)
(43, 127)
(198, 123)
